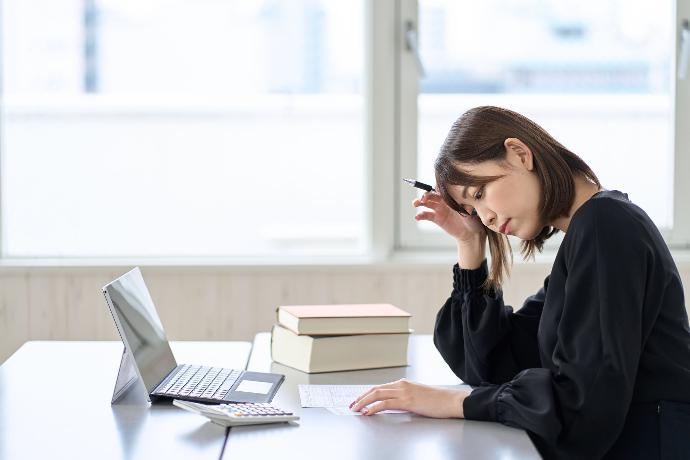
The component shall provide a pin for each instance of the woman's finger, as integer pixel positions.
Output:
(374, 396)
(388, 385)
(379, 394)
(428, 198)
(432, 194)
(431, 204)
(387, 404)
(428, 204)
(364, 395)
(426, 215)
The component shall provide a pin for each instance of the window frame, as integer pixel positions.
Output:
(679, 235)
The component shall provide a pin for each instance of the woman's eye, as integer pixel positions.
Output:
(479, 194)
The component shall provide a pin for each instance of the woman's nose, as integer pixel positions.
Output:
(488, 218)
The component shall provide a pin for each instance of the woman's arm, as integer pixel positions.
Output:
(480, 338)
(508, 348)
(405, 395)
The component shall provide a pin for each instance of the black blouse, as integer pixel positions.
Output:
(608, 329)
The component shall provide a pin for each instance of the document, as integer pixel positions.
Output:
(336, 398)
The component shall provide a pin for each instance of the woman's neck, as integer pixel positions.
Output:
(584, 190)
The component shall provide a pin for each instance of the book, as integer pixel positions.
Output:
(327, 353)
(344, 319)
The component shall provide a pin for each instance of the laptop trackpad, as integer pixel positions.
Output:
(252, 386)
(256, 387)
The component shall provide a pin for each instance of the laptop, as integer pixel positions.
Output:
(147, 356)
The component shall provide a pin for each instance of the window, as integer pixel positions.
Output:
(598, 75)
(220, 128)
(182, 128)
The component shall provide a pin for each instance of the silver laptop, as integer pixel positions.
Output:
(147, 355)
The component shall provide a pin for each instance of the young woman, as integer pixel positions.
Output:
(594, 365)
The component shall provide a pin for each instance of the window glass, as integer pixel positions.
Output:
(597, 75)
(182, 128)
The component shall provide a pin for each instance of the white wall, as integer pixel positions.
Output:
(226, 303)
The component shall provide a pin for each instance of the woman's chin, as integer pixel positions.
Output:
(529, 236)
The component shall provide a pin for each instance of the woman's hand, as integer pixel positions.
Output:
(462, 228)
(468, 231)
(414, 397)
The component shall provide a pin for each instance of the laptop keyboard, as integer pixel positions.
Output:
(201, 382)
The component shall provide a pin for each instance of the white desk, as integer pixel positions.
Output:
(323, 435)
(55, 403)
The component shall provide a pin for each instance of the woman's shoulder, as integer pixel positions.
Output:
(611, 217)
(610, 209)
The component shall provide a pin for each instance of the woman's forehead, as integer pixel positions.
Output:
(485, 168)
(460, 192)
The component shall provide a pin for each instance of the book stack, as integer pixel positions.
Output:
(328, 338)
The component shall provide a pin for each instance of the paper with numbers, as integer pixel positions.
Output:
(334, 396)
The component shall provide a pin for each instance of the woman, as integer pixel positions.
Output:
(597, 363)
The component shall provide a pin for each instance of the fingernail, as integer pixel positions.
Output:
(352, 404)
(365, 410)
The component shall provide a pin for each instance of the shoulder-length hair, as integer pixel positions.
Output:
(479, 135)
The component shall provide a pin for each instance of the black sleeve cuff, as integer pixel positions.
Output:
(469, 280)
(481, 403)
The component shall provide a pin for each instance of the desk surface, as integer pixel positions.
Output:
(55, 403)
(320, 434)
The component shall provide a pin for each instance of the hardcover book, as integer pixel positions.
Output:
(328, 353)
(344, 319)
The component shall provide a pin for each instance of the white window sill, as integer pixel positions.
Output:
(401, 259)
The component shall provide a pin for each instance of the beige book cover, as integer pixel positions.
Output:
(343, 319)
(338, 353)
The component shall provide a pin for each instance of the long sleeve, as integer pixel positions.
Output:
(480, 338)
(577, 401)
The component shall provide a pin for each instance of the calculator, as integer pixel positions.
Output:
(236, 414)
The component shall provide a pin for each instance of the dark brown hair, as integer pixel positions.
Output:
(479, 135)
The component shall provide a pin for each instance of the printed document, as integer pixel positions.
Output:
(336, 398)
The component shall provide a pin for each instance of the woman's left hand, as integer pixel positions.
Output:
(405, 395)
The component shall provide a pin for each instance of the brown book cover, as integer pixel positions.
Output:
(344, 319)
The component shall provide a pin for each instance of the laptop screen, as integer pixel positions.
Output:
(140, 327)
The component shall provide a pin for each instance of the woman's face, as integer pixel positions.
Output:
(510, 204)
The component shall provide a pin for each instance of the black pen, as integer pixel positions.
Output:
(420, 185)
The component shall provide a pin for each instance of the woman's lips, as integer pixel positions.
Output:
(504, 226)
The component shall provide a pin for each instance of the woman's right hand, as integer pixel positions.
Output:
(461, 227)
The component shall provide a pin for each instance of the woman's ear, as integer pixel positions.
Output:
(518, 153)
